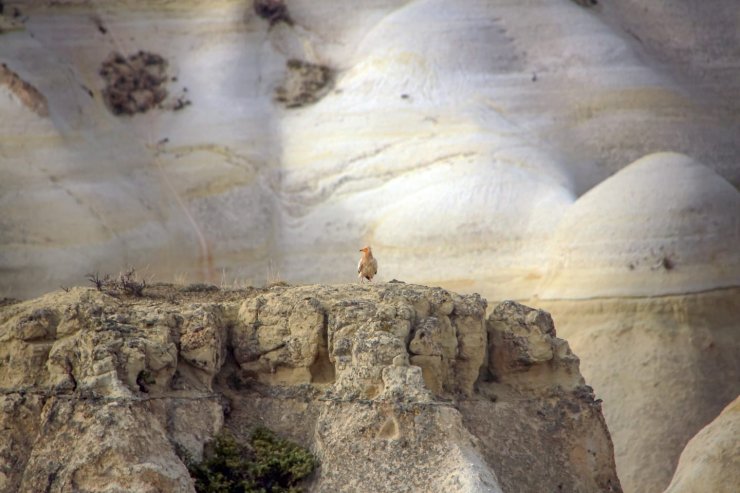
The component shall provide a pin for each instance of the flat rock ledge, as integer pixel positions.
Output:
(395, 388)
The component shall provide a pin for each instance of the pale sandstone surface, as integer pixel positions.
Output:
(395, 387)
(453, 137)
(494, 138)
(639, 233)
(664, 366)
(711, 460)
(526, 359)
(642, 279)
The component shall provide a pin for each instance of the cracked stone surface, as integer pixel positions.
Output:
(395, 387)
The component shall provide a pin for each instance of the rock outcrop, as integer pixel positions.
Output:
(711, 460)
(452, 136)
(395, 387)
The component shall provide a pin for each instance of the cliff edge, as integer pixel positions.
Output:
(394, 387)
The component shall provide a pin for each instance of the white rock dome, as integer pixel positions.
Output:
(665, 224)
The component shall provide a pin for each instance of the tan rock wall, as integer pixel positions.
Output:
(395, 387)
(664, 366)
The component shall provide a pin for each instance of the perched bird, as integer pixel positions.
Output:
(368, 266)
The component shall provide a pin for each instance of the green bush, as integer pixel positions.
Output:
(267, 464)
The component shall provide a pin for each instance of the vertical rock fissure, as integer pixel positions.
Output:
(322, 369)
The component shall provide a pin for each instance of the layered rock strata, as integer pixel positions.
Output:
(311, 126)
(644, 282)
(395, 387)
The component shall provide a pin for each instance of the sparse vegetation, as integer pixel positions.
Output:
(126, 283)
(273, 11)
(305, 83)
(97, 281)
(144, 380)
(199, 287)
(586, 3)
(236, 282)
(273, 275)
(266, 464)
(129, 284)
(134, 84)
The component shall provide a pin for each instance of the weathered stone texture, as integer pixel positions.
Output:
(395, 387)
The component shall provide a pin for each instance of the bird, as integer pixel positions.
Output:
(368, 266)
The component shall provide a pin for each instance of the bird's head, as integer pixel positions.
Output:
(365, 249)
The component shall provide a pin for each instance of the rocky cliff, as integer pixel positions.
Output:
(394, 387)
(483, 146)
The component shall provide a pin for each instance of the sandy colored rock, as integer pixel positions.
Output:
(117, 446)
(664, 367)
(522, 343)
(279, 342)
(526, 359)
(203, 341)
(404, 410)
(96, 363)
(641, 234)
(391, 134)
(642, 280)
(125, 386)
(447, 455)
(495, 139)
(711, 460)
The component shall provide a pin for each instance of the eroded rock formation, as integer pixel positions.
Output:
(395, 387)
(453, 136)
(643, 282)
(711, 460)
(318, 125)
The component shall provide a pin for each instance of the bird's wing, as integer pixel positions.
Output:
(374, 265)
